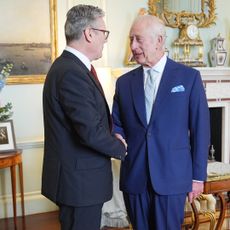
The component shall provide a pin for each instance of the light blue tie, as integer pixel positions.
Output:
(150, 88)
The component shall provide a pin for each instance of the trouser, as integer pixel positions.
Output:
(79, 218)
(151, 211)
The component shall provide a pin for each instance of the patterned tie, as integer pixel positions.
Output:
(150, 88)
(94, 73)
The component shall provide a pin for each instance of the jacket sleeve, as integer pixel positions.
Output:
(199, 129)
(117, 123)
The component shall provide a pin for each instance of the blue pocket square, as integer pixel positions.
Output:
(179, 88)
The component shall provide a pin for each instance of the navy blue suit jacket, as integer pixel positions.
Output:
(173, 148)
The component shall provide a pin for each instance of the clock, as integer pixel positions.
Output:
(188, 46)
(192, 31)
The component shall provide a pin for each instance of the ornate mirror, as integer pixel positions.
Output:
(177, 13)
(187, 16)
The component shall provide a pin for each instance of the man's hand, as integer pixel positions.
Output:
(197, 189)
(118, 136)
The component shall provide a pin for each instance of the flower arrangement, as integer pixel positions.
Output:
(5, 111)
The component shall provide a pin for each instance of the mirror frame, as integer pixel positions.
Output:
(179, 19)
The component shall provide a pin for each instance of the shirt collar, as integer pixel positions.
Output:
(159, 66)
(79, 55)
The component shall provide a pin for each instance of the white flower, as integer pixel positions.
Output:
(4, 74)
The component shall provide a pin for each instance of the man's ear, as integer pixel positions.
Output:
(160, 39)
(88, 34)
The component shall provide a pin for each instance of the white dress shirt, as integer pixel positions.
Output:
(159, 67)
(79, 55)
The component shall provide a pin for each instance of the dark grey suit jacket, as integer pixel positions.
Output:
(78, 143)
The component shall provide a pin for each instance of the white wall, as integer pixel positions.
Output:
(28, 126)
(27, 99)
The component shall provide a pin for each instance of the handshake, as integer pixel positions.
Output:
(118, 136)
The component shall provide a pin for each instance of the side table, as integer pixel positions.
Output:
(218, 183)
(11, 159)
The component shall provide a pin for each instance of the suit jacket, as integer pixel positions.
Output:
(172, 150)
(78, 141)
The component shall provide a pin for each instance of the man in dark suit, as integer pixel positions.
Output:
(167, 136)
(77, 172)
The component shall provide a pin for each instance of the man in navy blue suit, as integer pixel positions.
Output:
(77, 173)
(167, 149)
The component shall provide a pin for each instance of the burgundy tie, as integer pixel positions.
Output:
(94, 73)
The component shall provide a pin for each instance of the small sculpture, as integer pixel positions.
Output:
(212, 153)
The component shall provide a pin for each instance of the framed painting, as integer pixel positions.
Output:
(28, 39)
(7, 136)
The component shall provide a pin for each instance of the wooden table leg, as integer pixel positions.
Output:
(196, 217)
(13, 182)
(21, 188)
(222, 211)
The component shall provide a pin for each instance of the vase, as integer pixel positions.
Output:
(217, 54)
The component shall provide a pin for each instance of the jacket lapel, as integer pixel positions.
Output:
(137, 88)
(164, 88)
(90, 75)
(84, 68)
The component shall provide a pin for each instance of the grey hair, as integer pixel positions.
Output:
(79, 18)
(160, 30)
(155, 24)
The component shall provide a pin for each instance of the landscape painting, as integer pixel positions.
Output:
(27, 58)
(27, 38)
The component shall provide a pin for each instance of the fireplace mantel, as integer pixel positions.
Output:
(217, 83)
(212, 72)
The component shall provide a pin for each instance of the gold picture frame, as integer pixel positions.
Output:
(52, 53)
